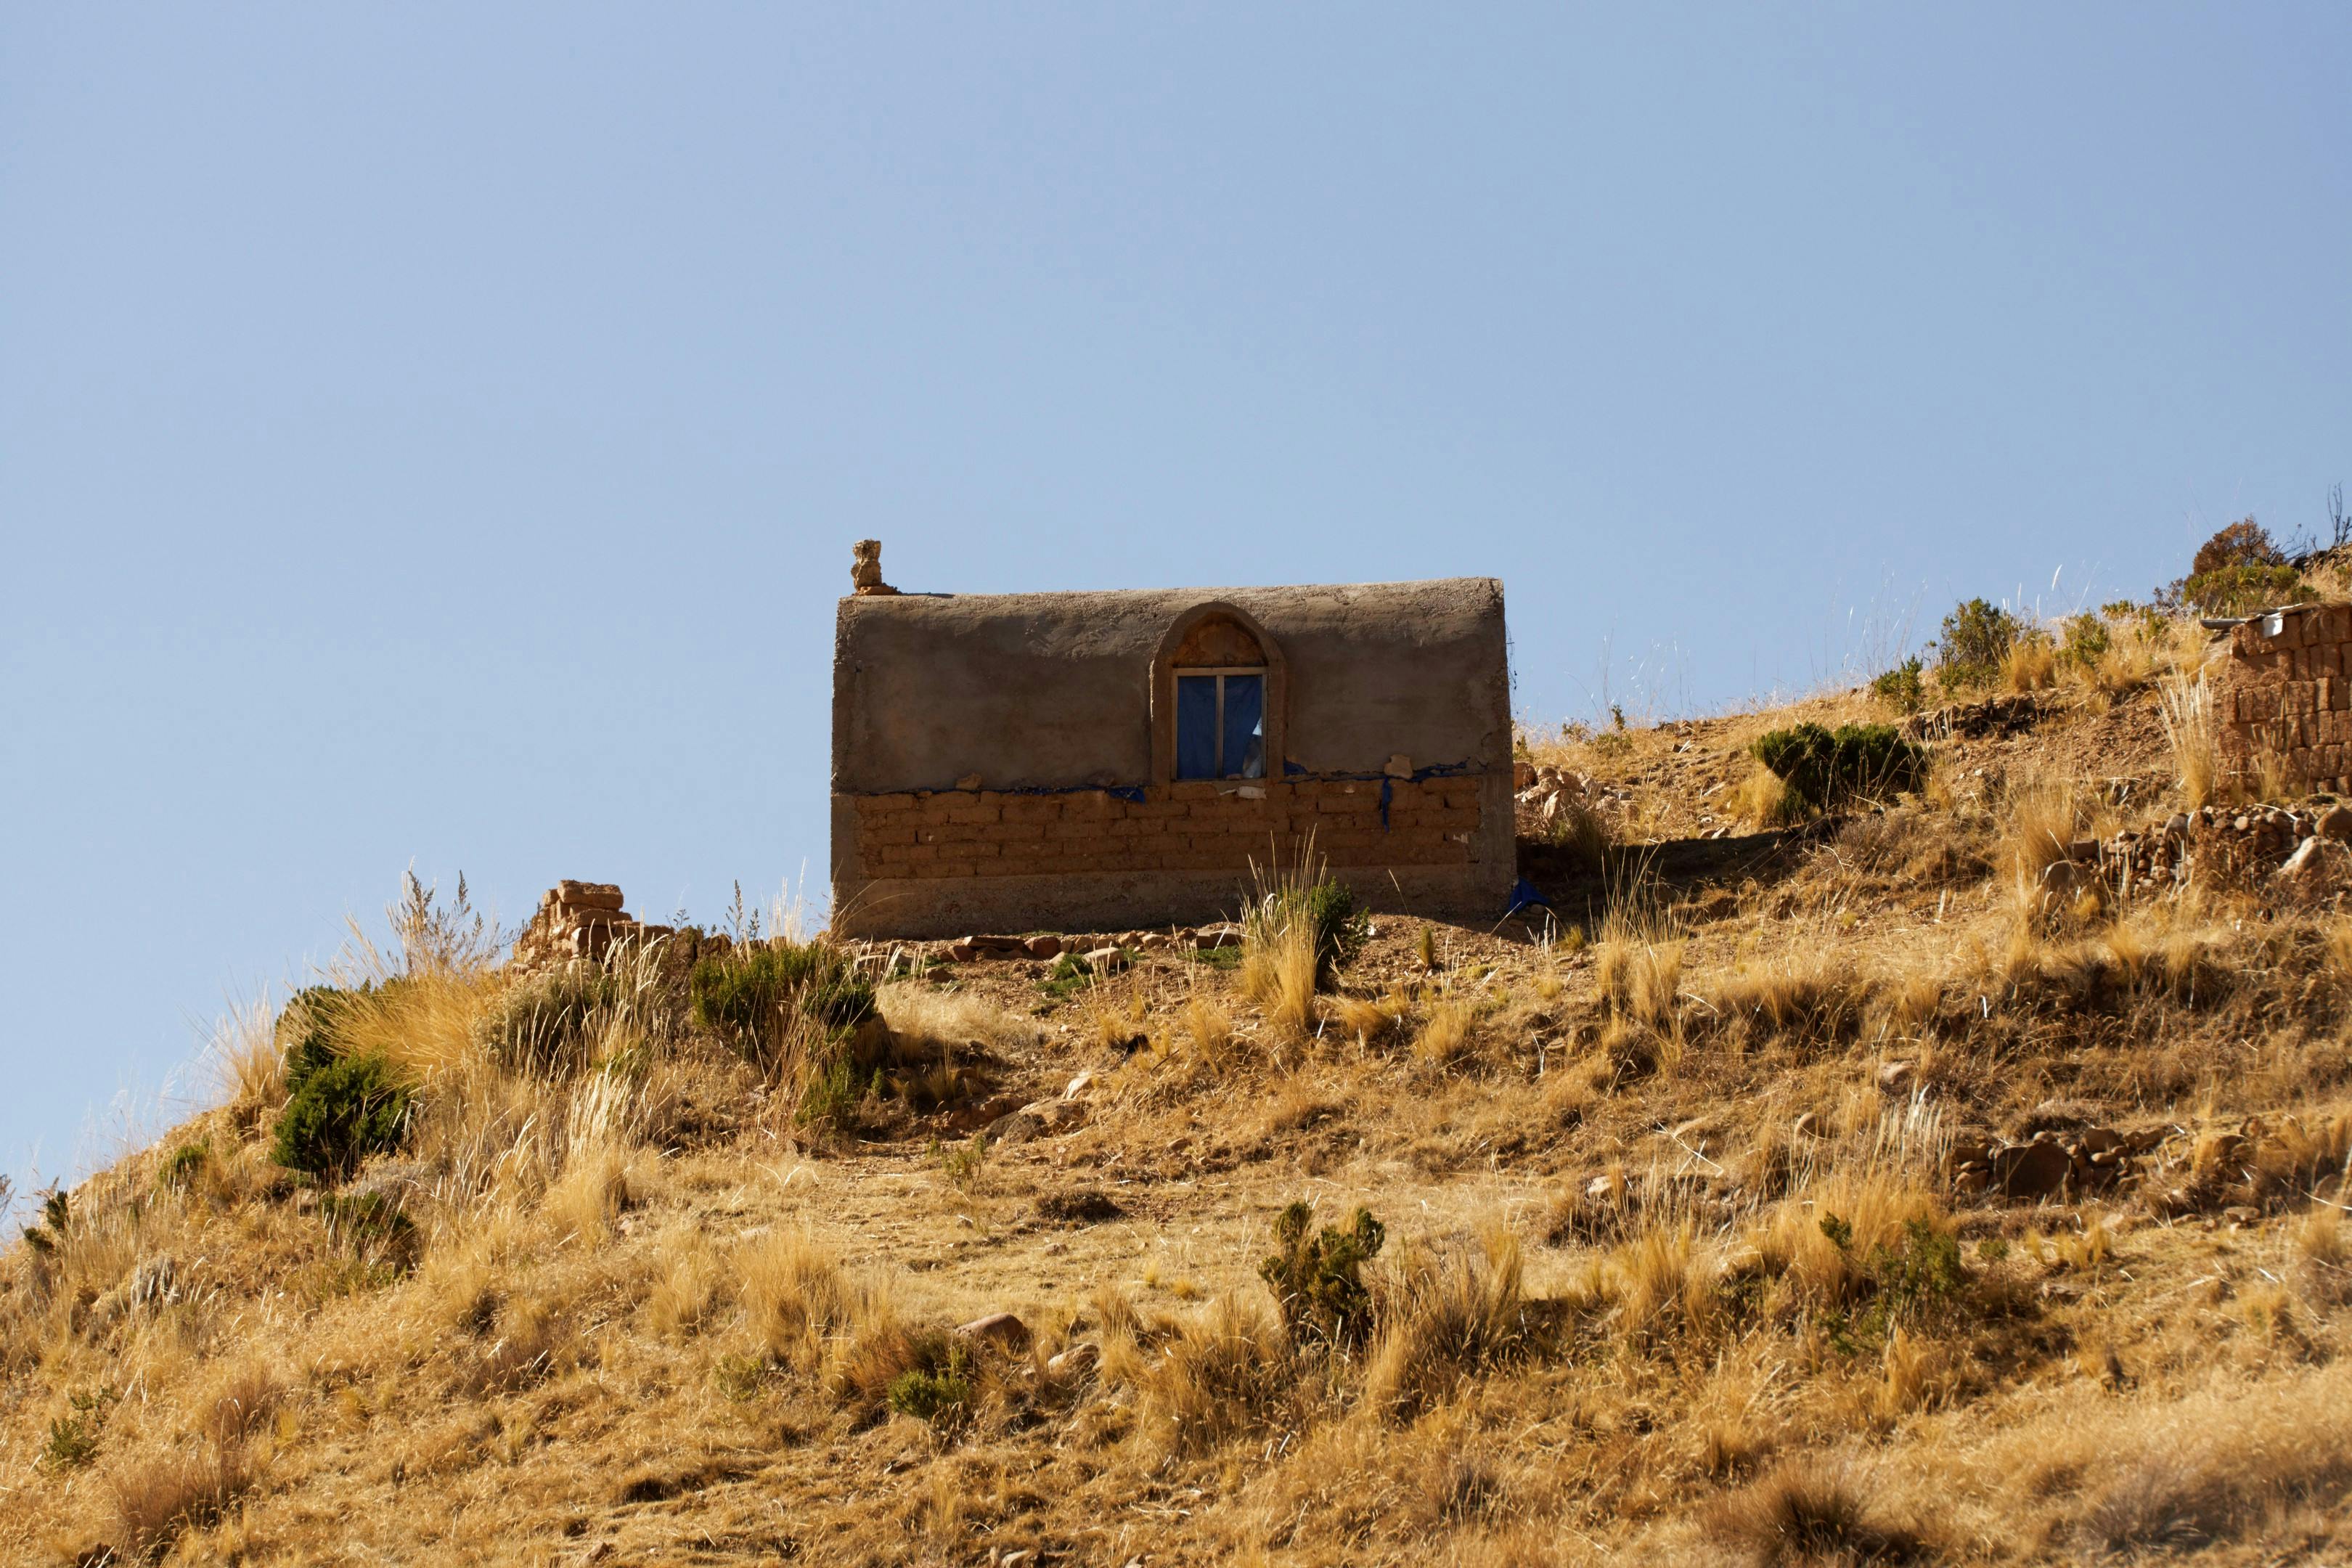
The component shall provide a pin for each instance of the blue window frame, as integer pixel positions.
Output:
(1221, 724)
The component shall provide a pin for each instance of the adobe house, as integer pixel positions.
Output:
(1092, 760)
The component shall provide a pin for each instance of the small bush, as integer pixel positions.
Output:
(544, 1023)
(306, 1031)
(2083, 641)
(937, 1387)
(1826, 768)
(1317, 1278)
(2244, 590)
(1903, 688)
(344, 1111)
(72, 1443)
(2241, 571)
(752, 1000)
(1327, 907)
(183, 1165)
(1974, 644)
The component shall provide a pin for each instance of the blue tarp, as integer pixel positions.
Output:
(1525, 896)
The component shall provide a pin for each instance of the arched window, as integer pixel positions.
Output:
(1217, 699)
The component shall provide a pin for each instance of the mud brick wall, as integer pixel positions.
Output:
(1185, 827)
(2283, 696)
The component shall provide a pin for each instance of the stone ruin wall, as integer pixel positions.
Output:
(2283, 698)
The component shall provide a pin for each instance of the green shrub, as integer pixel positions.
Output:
(306, 1031)
(2241, 571)
(183, 1165)
(1901, 687)
(1976, 637)
(1328, 907)
(57, 1217)
(1825, 768)
(751, 999)
(344, 1111)
(937, 1387)
(1916, 1281)
(2244, 590)
(1317, 1278)
(544, 1023)
(2083, 640)
(73, 1442)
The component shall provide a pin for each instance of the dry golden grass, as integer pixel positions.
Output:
(1366, 1019)
(1764, 801)
(1444, 1034)
(1449, 1314)
(795, 1295)
(635, 1264)
(1278, 974)
(925, 1019)
(2191, 730)
(2031, 664)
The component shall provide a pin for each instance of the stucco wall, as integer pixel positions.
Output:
(992, 757)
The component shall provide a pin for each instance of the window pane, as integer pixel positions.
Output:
(1196, 726)
(1246, 726)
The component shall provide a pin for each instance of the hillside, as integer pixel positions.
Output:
(1954, 1173)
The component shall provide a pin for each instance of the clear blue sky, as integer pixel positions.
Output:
(435, 435)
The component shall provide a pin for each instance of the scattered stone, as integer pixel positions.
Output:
(2335, 823)
(1080, 1205)
(1000, 1329)
(2031, 1170)
(962, 952)
(1043, 947)
(1156, 943)
(1226, 934)
(1038, 1119)
(2311, 871)
(1107, 960)
(1079, 1085)
(1076, 1362)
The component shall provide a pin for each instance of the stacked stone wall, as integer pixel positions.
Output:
(1194, 825)
(2284, 697)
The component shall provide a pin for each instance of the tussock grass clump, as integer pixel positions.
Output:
(1808, 1510)
(795, 1296)
(1223, 1373)
(1445, 1315)
(1303, 925)
(1801, 991)
(189, 1488)
(1278, 973)
(2190, 730)
(2222, 1464)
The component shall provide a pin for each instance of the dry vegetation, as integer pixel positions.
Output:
(1669, 1265)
